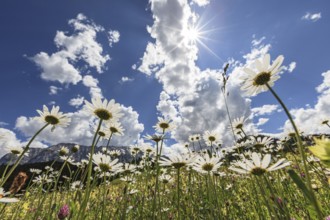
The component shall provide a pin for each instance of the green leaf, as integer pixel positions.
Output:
(301, 185)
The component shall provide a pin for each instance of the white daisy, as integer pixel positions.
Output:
(3, 199)
(210, 137)
(36, 171)
(105, 163)
(238, 123)
(176, 160)
(258, 166)
(15, 150)
(53, 117)
(114, 128)
(156, 137)
(165, 178)
(104, 110)
(75, 148)
(115, 153)
(77, 185)
(164, 125)
(63, 151)
(206, 164)
(264, 75)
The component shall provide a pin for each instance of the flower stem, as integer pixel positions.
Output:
(89, 174)
(302, 152)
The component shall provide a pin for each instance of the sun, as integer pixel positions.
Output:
(192, 34)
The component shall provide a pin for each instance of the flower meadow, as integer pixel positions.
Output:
(257, 177)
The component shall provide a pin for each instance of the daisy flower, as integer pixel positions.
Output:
(258, 166)
(206, 164)
(210, 137)
(105, 164)
(104, 110)
(176, 160)
(63, 151)
(115, 153)
(164, 125)
(77, 185)
(165, 178)
(15, 150)
(114, 128)
(156, 137)
(3, 199)
(264, 75)
(238, 123)
(75, 148)
(36, 171)
(261, 142)
(53, 117)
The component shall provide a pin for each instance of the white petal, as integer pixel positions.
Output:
(266, 161)
(256, 159)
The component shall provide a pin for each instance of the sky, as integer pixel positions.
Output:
(160, 58)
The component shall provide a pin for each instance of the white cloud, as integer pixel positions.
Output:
(2, 124)
(125, 79)
(201, 2)
(113, 37)
(77, 102)
(256, 42)
(8, 138)
(290, 68)
(309, 119)
(92, 83)
(262, 121)
(324, 86)
(264, 110)
(191, 97)
(53, 90)
(80, 46)
(57, 67)
(311, 17)
(81, 129)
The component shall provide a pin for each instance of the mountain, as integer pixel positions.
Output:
(42, 155)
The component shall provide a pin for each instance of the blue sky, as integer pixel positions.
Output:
(183, 87)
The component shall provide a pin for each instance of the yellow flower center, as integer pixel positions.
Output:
(258, 171)
(52, 119)
(208, 166)
(103, 114)
(164, 125)
(261, 79)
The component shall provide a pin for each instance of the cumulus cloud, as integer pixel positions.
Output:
(191, 97)
(82, 128)
(81, 45)
(56, 67)
(311, 17)
(309, 119)
(113, 37)
(264, 110)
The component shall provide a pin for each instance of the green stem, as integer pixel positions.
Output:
(22, 155)
(302, 153)
(178, 192)
(89, 174)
